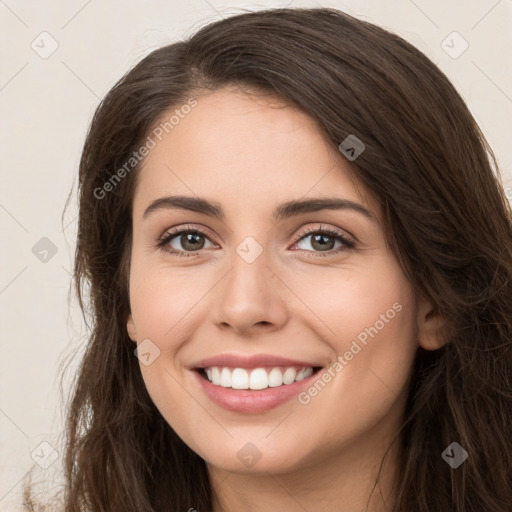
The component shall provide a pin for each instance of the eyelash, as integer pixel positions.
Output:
(168, 236)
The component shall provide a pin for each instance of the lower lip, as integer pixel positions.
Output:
(247, 401)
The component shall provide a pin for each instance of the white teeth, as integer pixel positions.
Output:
(289, 375)
(303, 373)
(275, 378)
(225, 378)
(256, 379)
(239, 379)
(215, 375)
(259, 379)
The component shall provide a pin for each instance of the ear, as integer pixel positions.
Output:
(130, 327)
(430, 324)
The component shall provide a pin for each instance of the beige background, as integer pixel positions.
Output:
(46, 103)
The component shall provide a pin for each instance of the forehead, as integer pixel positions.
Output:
(254, 149)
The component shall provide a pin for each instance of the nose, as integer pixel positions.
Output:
(250, 298)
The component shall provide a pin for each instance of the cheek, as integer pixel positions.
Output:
(162, 301)
(161, 305)
(374, 347)
(369, 322)
(348, 303)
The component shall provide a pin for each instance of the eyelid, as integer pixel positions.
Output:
(347, 239)
(334, 232)
(178, 230)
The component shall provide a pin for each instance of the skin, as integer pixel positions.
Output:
(249, 154)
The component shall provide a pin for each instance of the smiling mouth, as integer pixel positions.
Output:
(256, 379)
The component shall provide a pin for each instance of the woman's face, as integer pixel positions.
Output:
(255, 294)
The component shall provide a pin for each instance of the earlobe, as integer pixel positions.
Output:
(130, 327)
(430, 325)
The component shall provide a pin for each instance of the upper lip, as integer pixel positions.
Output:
(253, 361)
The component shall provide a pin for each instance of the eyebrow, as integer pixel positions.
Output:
(283, 211)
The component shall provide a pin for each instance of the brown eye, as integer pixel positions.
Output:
(324, 241)
(191, 241)
(182, 241)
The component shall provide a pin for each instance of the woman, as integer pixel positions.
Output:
(292, 221)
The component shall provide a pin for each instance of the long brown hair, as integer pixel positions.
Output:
(446, 219)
